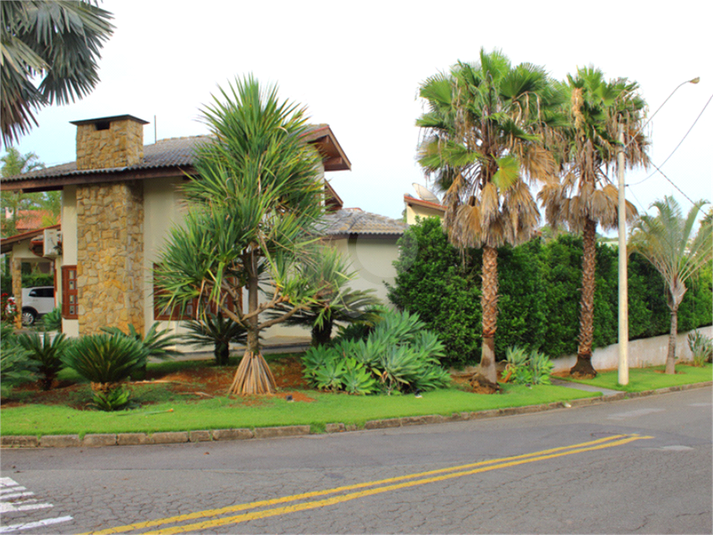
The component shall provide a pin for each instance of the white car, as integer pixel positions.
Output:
(36, 302)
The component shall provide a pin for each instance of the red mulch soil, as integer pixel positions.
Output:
(202, 382)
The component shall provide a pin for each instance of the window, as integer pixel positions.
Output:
(166, 314)
(70, 303)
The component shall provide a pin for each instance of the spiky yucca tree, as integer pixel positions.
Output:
(253, 208)
(483, 143)
(585, 197)
(668, 242)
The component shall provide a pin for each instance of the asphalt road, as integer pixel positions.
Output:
(632, 466)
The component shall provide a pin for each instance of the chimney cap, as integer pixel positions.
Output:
(110, 119)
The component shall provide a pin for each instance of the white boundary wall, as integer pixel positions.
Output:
(642, 353)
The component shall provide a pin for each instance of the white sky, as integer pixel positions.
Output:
(357, 66)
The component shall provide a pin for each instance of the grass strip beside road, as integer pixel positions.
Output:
(653, 378)
(252, 412)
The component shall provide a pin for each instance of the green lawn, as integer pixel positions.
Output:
(642, 379)
(221, 413)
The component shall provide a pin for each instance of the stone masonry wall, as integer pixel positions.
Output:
(110, 253)
(121, 145)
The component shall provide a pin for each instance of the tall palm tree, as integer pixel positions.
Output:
(14, 202)
(585, 196)
(254, 205)
(483, 142)
(667, 241)
(56, 39)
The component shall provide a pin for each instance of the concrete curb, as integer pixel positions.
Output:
(182, 437)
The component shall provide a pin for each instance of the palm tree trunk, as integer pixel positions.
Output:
(489, 302)
(583, 367)
(671, 356)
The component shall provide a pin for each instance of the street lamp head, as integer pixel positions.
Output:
(695, 80)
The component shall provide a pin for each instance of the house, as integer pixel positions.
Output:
(422, 208)
(119, 200)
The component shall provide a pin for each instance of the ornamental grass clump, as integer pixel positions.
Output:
(106, 360)
(398, 356)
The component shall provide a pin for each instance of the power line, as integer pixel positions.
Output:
(675, 149)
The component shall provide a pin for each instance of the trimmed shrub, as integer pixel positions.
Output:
(539, 295)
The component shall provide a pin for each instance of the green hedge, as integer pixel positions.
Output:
(539, 294)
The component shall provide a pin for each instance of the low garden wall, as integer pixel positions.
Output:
(643, 352)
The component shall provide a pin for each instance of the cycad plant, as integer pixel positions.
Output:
(156, 343)
(217, 330)
(15, 364)
(334, 302)
(46, 351)
(667, 240)
(484, 142)
(597, 111)
(106, 360)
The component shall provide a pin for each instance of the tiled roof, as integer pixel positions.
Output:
(174, 152)
(355, 221)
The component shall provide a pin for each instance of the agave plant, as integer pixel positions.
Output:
(399, 355)
(105, 359)
(701, 348)
(46, 351)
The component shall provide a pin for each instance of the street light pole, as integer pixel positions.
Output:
(623, 271)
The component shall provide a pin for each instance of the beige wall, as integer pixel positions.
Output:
(413, 212)
(163, 207)
(69, 250)
(372, 258)
(642, 353)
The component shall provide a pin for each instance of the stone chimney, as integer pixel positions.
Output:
(109, 142)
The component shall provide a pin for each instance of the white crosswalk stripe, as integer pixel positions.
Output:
(14, 498)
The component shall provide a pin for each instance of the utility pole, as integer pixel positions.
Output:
(623, 282)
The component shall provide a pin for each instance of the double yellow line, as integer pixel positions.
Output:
(352, 492)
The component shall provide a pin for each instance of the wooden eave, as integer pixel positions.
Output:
(335, 159)
(7, 243)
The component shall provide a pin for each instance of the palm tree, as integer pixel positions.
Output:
(57, 40)
(254, 205)
(666, 240)
(15, 163)
(585, 196)
(483, 138)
